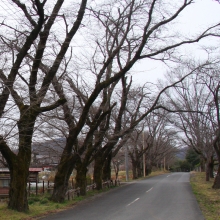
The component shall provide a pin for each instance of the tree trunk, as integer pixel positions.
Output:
(81, 177)
(134, 169)
(107, 168)
(98, 168)
(18, 185)
(202, 164)
(207, 172)
(148, 169)
(116, 168)
(211, 168)
(216, 184)
(61, 181)
(140, 172)
(19, 164)
(116, 174)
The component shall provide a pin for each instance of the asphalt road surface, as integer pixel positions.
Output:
(164, 197)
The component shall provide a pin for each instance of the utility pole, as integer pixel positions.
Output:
(126, 153)
(164, 164)
(143, 157)
(126, 162)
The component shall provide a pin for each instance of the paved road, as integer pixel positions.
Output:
(164, 197)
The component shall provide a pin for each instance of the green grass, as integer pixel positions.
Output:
(208, 198)
(40, 205)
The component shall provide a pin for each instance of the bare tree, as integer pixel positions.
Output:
(26, 84)
(127, 32)
(154, 143)
(136, 151)
(197, 125)
(210, 78)
(123, 38)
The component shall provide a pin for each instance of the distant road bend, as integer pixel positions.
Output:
(164, 197)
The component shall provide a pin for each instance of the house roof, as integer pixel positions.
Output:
(30, 169)
(35, 169)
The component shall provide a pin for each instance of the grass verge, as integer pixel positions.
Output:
(208, 198)
(122, 175)
(41, 205)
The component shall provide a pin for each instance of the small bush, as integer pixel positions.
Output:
(33, 199)
(30, 201)
(44, 201)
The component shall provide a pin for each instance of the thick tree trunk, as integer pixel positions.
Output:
(98, 170)
(140, 172)
(19, 164)
(81, 182)
(209, 169)
(134, 169)
(216, 184)
(107, 168)
(61, 181)
(148, 169)
(207, 172)
(202, 164)
(18, 185)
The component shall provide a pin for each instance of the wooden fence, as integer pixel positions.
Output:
(71, 193)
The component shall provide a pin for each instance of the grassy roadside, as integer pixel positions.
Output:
(122, 175)
(208, 198)
(41, 205)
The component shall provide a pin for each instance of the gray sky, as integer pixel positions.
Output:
(196, 17)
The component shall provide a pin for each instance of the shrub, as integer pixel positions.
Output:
(44, 201)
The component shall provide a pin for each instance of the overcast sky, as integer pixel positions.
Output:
(197, 16)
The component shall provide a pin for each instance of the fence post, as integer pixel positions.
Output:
(36, 187)
(43, 186)
(29, 187)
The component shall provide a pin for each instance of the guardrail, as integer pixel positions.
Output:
(71, 193)
(90, 187)
(110, 183)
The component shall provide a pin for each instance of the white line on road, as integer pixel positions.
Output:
(168, 175)
(149, 190)
(133, 202)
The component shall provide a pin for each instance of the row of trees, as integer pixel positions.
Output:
(65, 72)
(153, 146)
(188, 161)
(199, 127)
